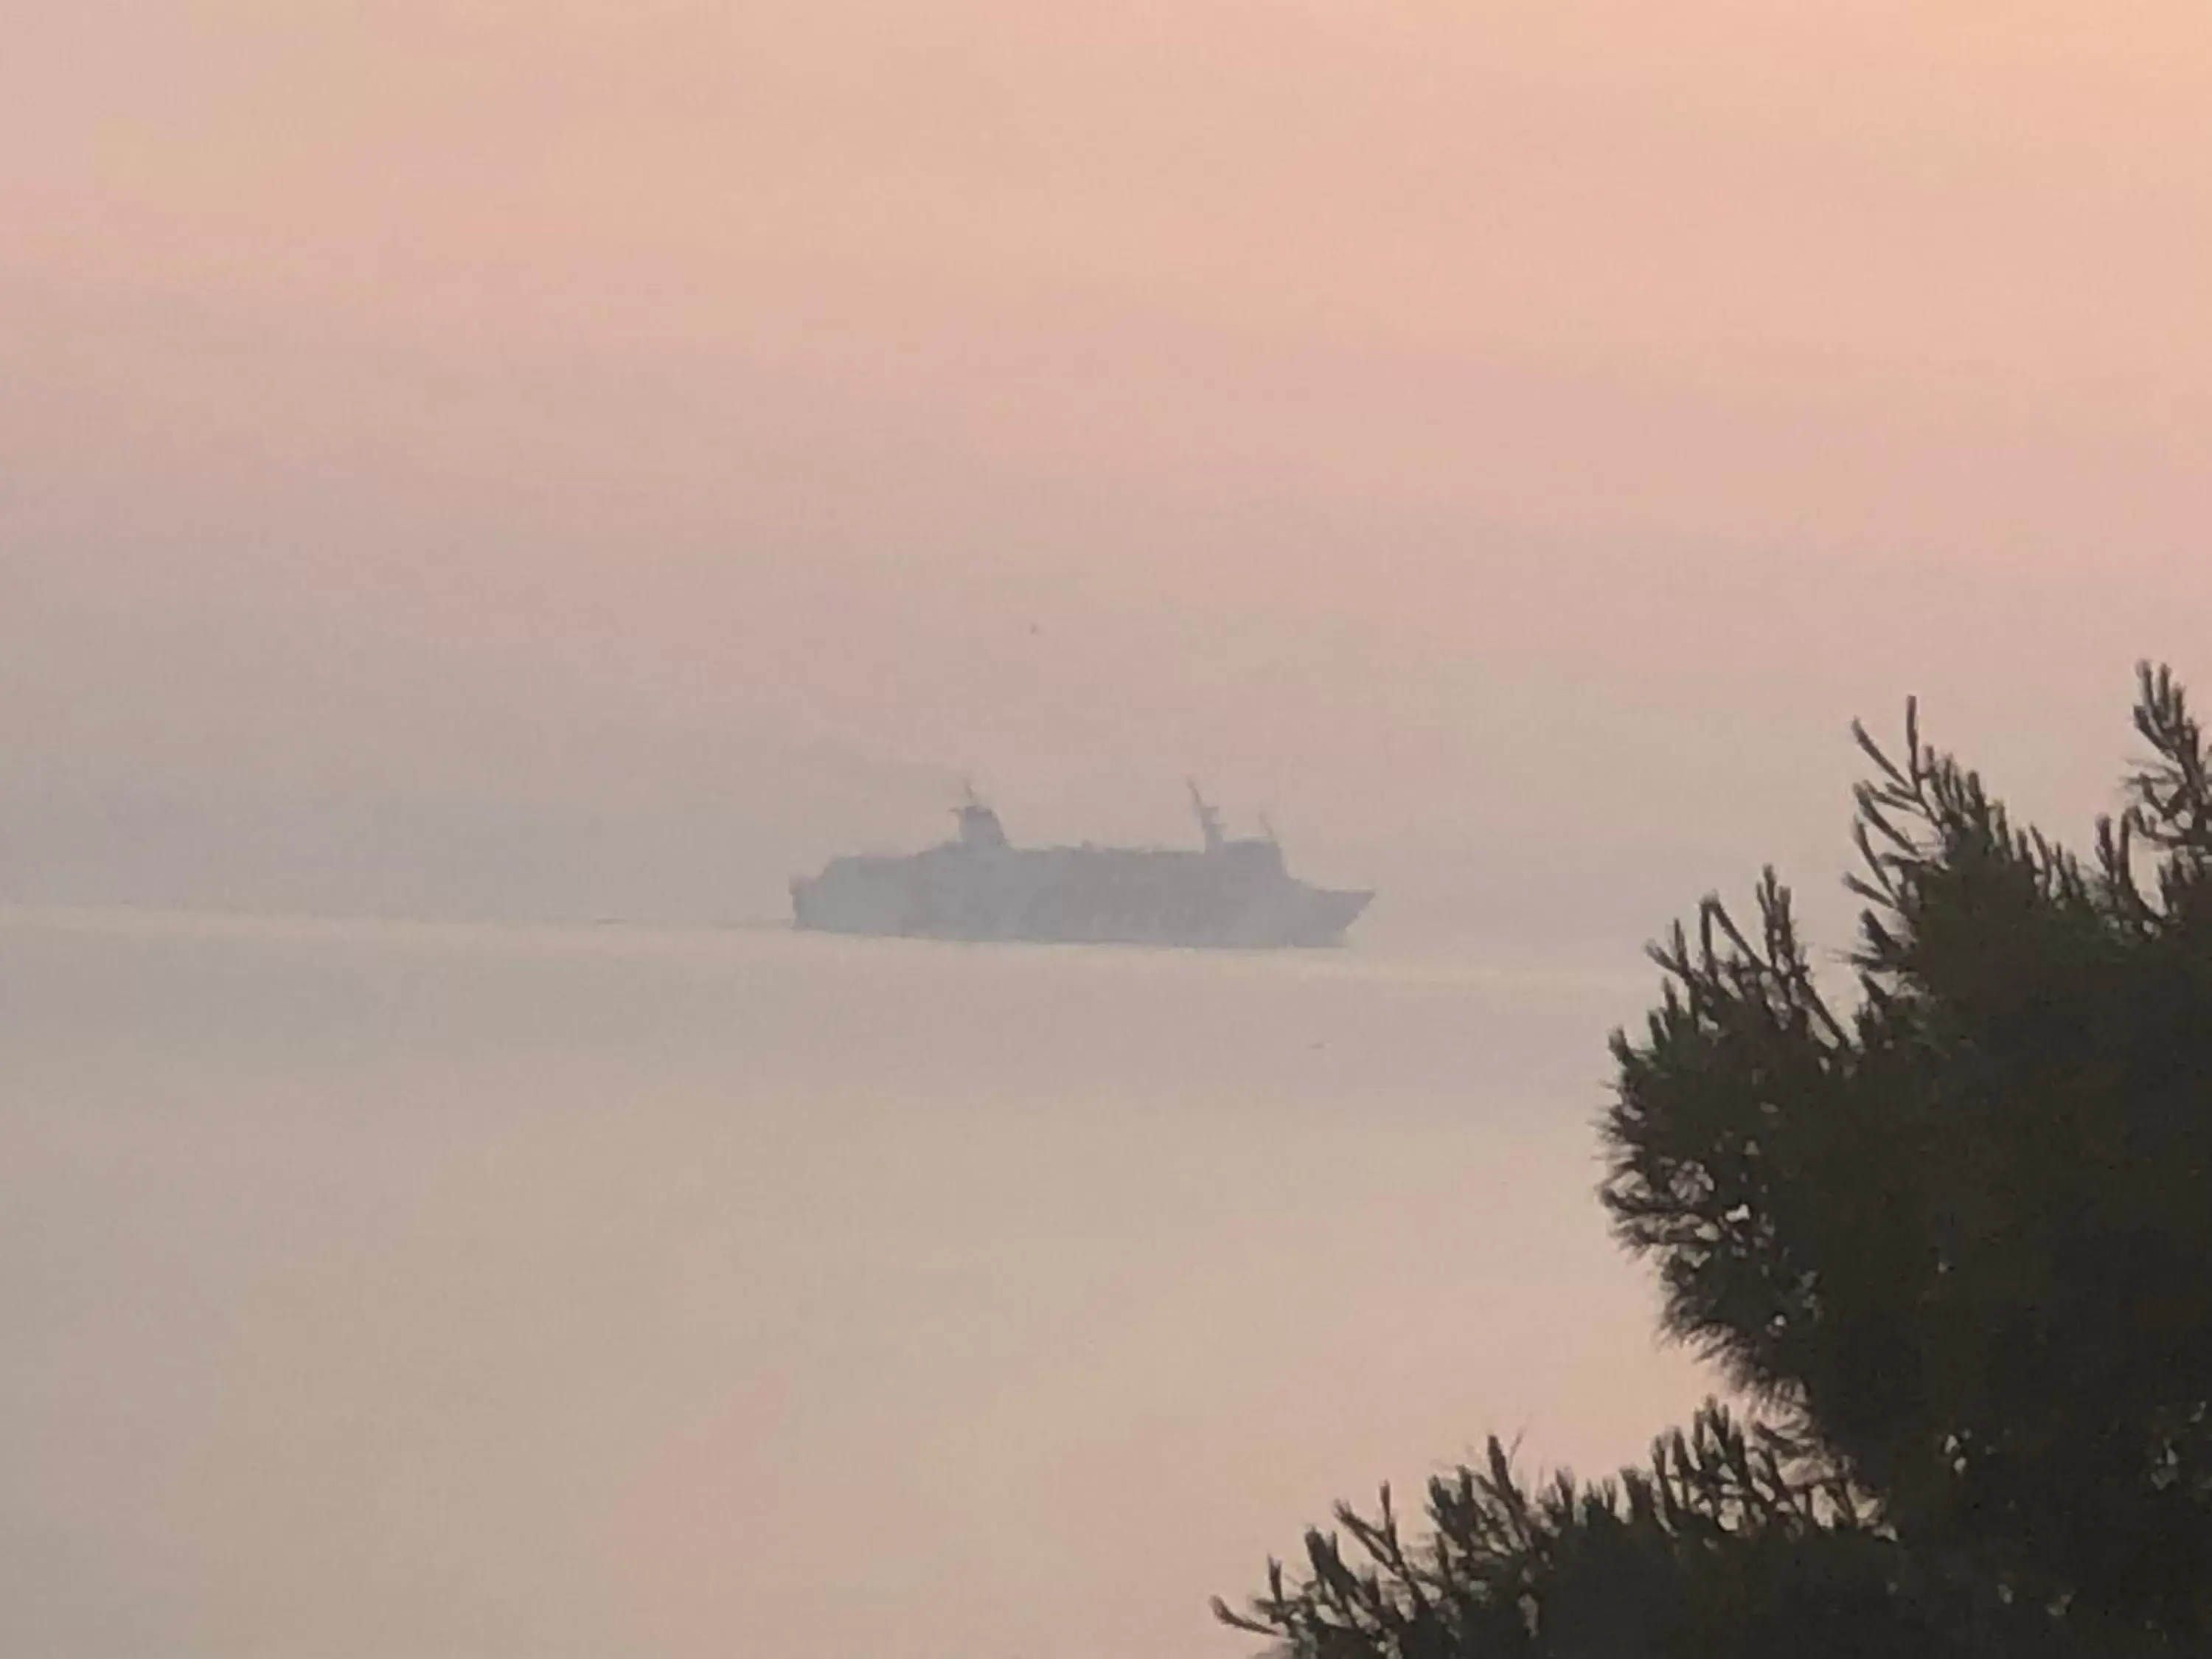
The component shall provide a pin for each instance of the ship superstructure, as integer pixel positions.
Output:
(979, 886)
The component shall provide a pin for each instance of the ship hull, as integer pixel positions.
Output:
(1072, 895)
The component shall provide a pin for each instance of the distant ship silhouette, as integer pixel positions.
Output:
(979, 886)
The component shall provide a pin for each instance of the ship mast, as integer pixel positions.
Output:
(1209, 821)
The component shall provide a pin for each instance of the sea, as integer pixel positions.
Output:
(400, 1291)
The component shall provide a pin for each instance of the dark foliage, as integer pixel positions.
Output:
(1965, 1239)
(1955, 1239)
(1726, 1546)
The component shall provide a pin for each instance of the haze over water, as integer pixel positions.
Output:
(382, 1290)
(506, 466)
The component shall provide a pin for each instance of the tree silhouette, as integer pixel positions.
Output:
(1954, 1243)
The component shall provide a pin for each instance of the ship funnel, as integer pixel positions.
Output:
(979, 824)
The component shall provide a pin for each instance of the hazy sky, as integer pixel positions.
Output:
(1432, 420)
(595, 457)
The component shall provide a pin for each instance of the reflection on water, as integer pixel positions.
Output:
(406, 1291)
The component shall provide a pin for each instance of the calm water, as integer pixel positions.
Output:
(414, 1291)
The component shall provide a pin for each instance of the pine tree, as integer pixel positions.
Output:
(1953, 1242)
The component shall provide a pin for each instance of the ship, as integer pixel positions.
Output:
(1228, 892)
